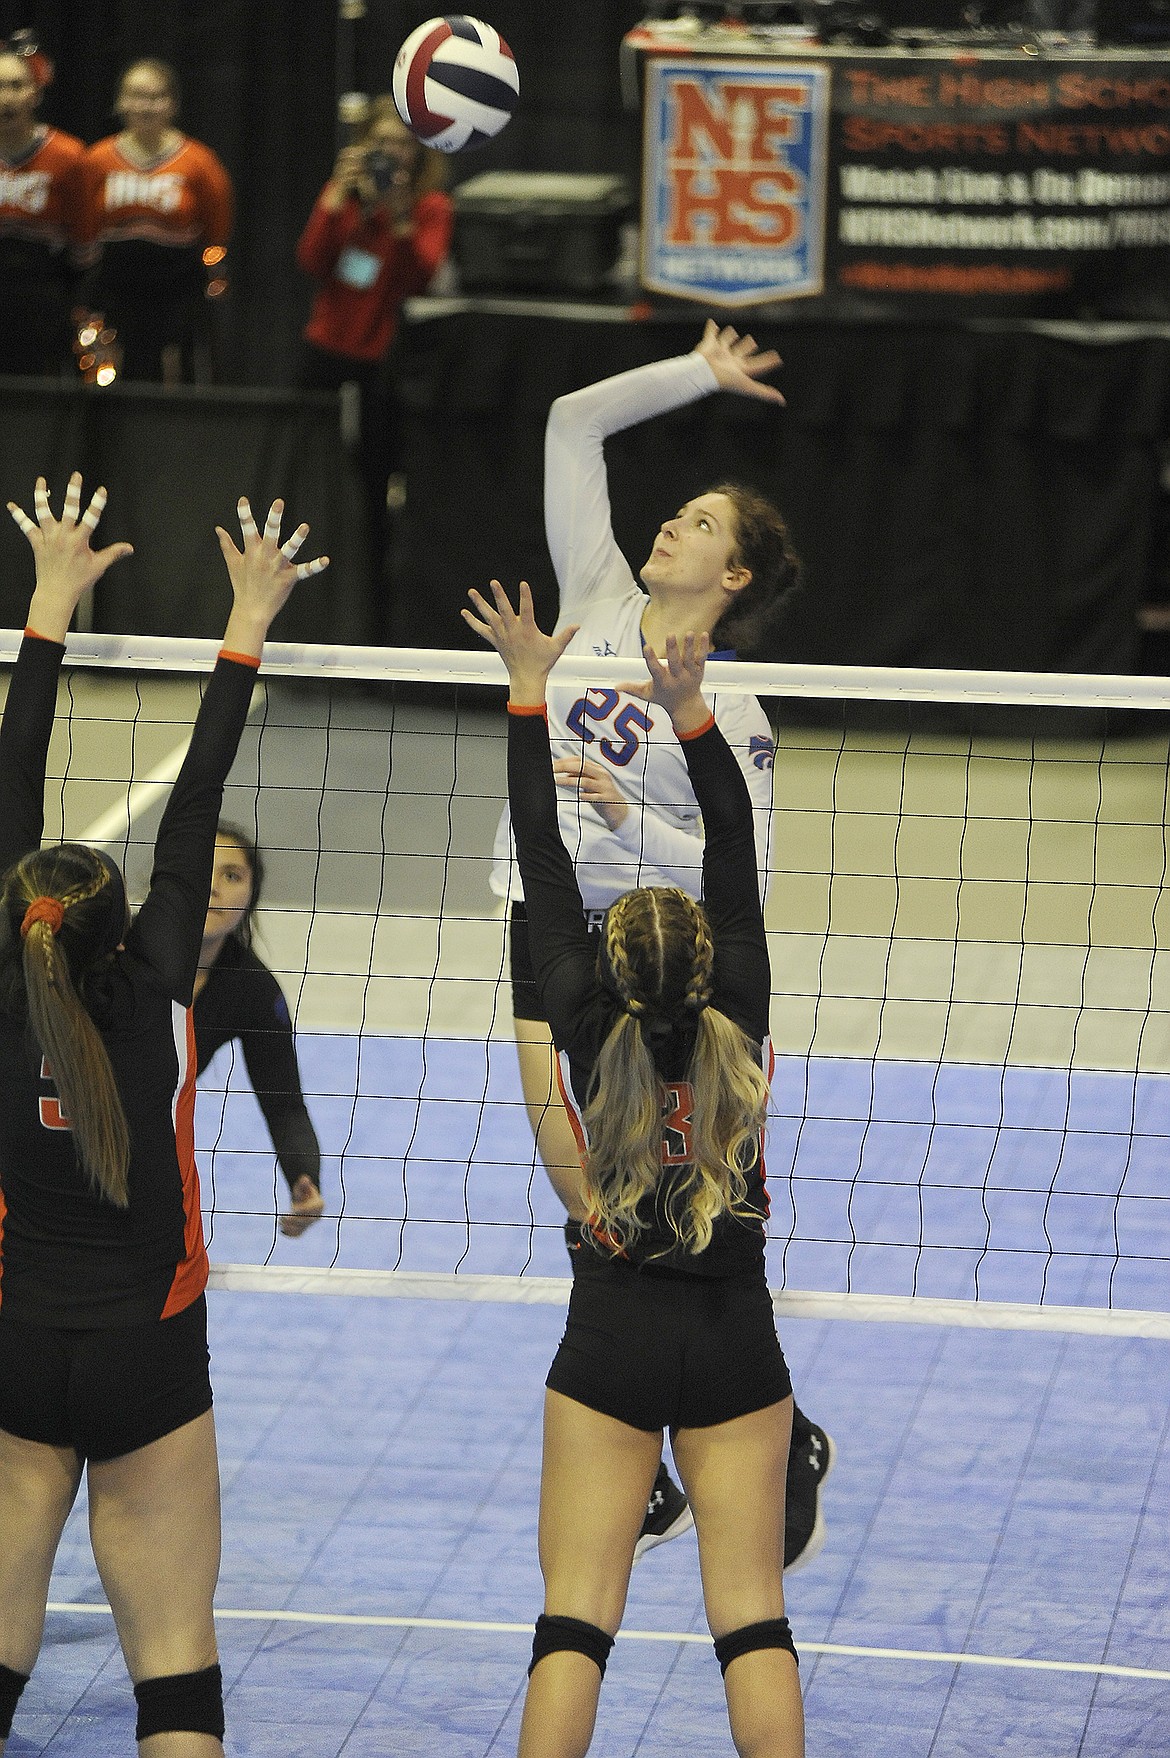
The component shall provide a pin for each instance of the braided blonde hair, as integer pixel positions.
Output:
(69, 1040)
(661, 959)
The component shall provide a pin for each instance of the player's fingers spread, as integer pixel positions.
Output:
(41, 500)
(247, 522)
(95, 509)
(291, 544)
(272, 523)
(72, 508)
(306, 570)
(26, 524)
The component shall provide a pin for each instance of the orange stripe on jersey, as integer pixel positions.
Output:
(191, 1275)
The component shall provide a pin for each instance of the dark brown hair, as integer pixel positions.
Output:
(255, 862)
(752, 622)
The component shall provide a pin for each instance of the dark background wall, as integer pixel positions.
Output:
(259, 84)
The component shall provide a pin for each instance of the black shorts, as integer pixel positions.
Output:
(660, 1350)
(525, 1000)
(104, 1392)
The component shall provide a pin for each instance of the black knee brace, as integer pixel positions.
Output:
(181, 1703)
(12, 1684)
(560, 1635)
(771, 1633)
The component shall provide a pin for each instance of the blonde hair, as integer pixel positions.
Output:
(67, 1036)
(660, 956)
(429, 171)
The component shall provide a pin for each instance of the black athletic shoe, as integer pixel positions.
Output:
(667, 1516)
(809, 1463)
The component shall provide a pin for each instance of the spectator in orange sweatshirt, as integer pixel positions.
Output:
(158, 213)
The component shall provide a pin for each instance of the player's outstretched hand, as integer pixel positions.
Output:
(262, 574)
(676, 680)
(737, 363)
(528, 653)
(66, 565)
(308, 1205)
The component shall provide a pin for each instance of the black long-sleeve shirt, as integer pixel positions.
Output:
(68, 1256)
(242, 999)
(581, 1010)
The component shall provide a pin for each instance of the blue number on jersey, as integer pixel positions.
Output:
(598, 706)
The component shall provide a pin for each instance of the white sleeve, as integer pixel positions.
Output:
(661, 841)
(586, 558)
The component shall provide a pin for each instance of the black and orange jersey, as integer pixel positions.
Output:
(67, 1256)
(242, 1000)
(182, 200)
(581, 1010)
(41, 195)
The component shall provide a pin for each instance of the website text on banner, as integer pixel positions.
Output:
(966, 186)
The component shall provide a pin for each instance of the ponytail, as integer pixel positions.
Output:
(658, 956)
(55, 905)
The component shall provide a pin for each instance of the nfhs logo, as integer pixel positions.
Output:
(735, 179)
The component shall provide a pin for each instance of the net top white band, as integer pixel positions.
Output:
(738, 677)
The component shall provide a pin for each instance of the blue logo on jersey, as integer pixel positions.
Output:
(761, 750)
(605, 650)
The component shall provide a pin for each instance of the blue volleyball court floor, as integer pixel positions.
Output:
(995, 1577)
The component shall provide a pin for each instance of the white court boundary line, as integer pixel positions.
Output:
(840, 1650)
(901, 1309)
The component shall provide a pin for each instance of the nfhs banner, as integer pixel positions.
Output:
(978, 185)
(733, 205)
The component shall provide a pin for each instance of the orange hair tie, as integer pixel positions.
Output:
(43, 909)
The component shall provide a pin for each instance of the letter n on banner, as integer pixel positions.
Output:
(734, 179)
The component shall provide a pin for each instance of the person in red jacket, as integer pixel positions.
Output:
(158, 214)
(377, 233)
(40, 220)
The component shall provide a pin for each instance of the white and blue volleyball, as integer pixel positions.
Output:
(455, 83)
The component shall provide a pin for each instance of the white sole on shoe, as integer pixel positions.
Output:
(682, 1523)
(816, 1539)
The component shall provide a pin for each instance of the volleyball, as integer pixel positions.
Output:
(455, 83)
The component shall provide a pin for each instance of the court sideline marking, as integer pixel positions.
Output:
(371, 1620)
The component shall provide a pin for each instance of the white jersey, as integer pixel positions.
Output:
(660, 841)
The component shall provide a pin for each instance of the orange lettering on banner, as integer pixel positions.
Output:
(745, 126)
(741, 206)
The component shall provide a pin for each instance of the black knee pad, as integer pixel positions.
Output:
(181, 1703)
(770, 1633)
(569, 1635)
(12, 1684)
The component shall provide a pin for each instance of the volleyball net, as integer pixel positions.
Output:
(971, 992)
